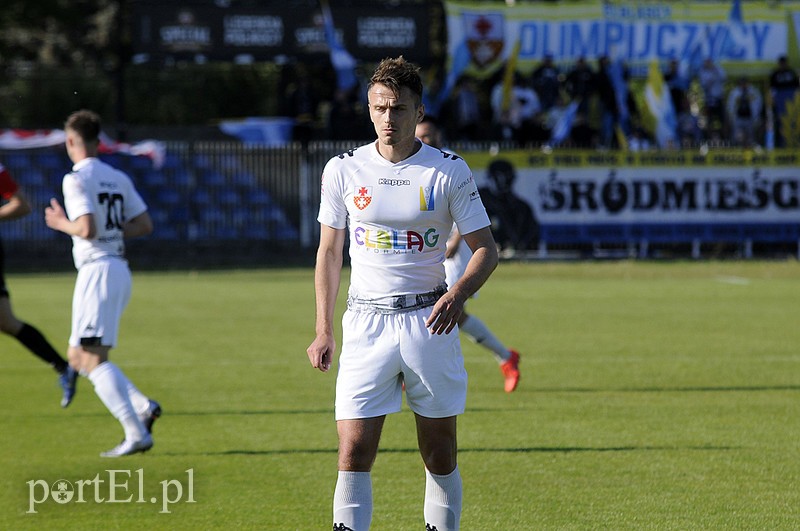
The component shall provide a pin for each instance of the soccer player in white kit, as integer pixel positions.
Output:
(397, 198)
(457, 257)
(102, 208)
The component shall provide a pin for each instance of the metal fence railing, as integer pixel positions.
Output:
(205, 193)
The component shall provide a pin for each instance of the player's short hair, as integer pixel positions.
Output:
(86, 123)
(396, 74)
(429, 119)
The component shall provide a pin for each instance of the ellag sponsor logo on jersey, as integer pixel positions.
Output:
(395, 241)
(362, 197)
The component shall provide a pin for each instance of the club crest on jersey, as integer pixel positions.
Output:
(426, 198)
(362, 197)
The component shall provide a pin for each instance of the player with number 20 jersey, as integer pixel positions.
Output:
(94, 187)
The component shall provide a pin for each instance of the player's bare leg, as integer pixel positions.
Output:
(438, 447)
(358, 447)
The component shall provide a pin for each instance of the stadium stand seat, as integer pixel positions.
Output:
(140, 162)
(201, 197)
(172, 161)
(228, 163)
(179, 214)
(229, 198)
(201, 161)
(154, 178)
(51, 160)
(181, 177)
(16, 161)
(169, 197)
(257, 233)
(258, 197)
(285, 233)
(244, 180)
(225, 232)
(212, 214)
(212, 178)
(30, 178)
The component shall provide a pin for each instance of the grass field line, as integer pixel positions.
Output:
(736, 281)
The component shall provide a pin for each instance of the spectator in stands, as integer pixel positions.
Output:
(678, 83)
(712, 77)
(580, 85)
(609, 108)
(462, 112)
(639, 141)
(302, 105)
(344, 123)
(547, 82)
(783, 85)
(513, 222)
(14, 206)
(744, 110)
(516, 111)
(688, 128)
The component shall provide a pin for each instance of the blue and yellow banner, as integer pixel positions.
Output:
(746, 38)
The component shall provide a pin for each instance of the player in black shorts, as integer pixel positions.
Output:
(13, 205)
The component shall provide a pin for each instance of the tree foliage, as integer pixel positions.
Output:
(60, 33)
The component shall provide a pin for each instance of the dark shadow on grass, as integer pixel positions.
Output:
(253, 412)
(708, 389)
(512, 450)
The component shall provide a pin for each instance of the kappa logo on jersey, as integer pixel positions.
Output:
(362, 197)
(426, 203)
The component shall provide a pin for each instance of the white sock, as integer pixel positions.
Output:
(443, 500)
(141, 404)
(352, 501)
(111, 386)
(480, 334)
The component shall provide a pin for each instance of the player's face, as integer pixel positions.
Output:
(394, 116)
(429, 134)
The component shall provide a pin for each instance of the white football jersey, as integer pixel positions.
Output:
(94, 187)
(399, 216)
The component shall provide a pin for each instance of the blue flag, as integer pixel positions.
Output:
(564, 123)
(343, 63)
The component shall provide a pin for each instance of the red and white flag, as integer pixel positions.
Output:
(40, 138)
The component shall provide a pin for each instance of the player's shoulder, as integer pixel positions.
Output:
(441, 155)
(357, 156)
(354, 153)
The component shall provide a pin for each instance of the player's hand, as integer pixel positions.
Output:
(320, 352)
(445, 314)
(54, 214)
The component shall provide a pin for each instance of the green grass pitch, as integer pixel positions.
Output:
(653, 396)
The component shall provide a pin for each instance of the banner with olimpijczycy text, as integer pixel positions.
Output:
(744, 37)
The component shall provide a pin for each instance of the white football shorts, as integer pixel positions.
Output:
(380, 351)
(102, 291)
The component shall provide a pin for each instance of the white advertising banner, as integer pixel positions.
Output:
(643, 197)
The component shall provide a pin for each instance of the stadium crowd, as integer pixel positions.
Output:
(709, 107)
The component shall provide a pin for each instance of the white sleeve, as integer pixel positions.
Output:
(466, 206)
(332, 209)
(77, 201)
